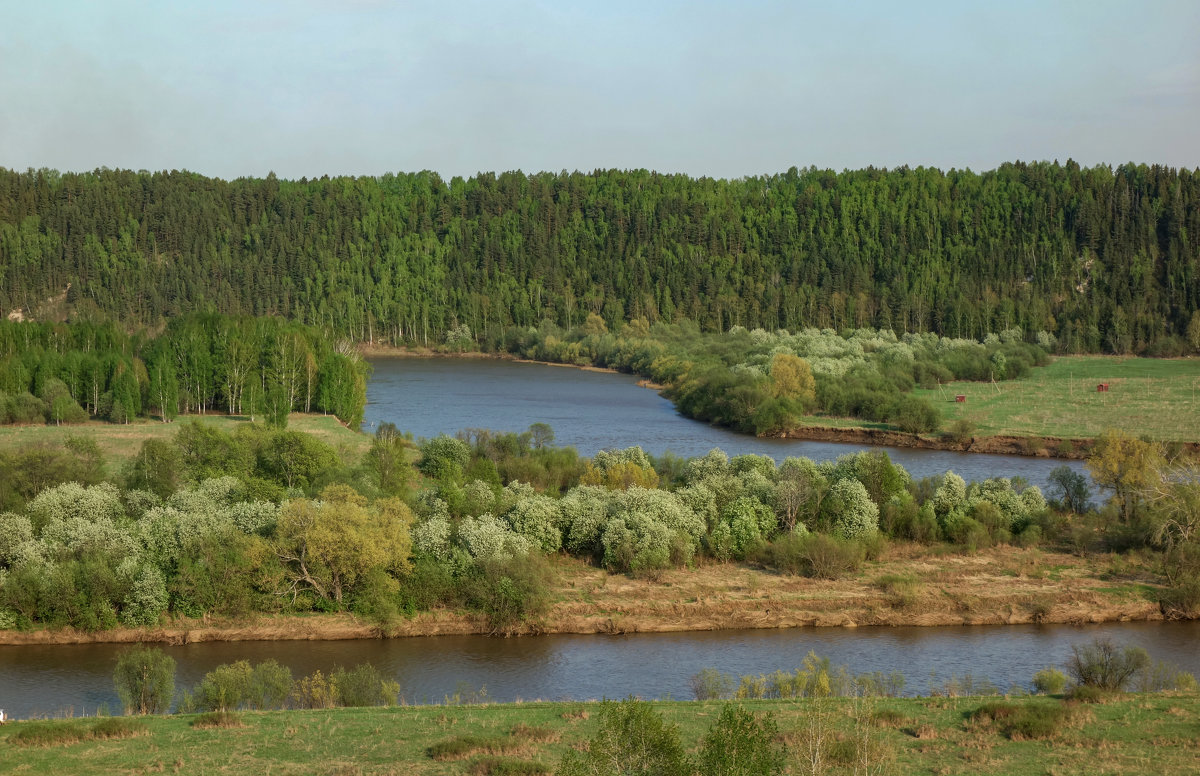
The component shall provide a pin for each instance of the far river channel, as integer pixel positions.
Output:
(593, 411)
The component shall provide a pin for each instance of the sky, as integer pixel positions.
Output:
(364, 87)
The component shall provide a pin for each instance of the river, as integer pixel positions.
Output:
(594, 411)
(77, 679)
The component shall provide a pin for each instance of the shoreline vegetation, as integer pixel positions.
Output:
(908, 587)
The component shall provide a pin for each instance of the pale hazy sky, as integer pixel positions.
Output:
(312, 87)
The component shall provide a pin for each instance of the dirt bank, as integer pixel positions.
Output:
(1039, 447)
(1002, 586)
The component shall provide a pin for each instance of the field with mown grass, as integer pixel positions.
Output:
(1153, 397)
(1132, 734)
(120, 442)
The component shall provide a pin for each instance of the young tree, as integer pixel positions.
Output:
(541, 435)
(1071, 487)
(163, 391)
(388, 456)
(156, 468)
(145, 680)
(633, 739)
(792, 378)
(326, 546)
(1125, 466)
(741, 744)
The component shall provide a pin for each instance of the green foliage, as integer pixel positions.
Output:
(1023, 722)
(364, 685)
(145, 680)
(710, 684)
(155, 468)
(741, 744)
(61, 733)
(512, 594)
(266, 685)
(295, 458)
(956, 252)
(853, 514)
(812, 555)
(444, 458)
(1069, 488)
(201, 362)
(1180, 599)
(915, 415)
(326, 547)
(632, 739)
(1049, 681)
(388, 458)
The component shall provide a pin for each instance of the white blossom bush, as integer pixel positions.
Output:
(606, 459)
(1034, 501)
(662, 507)
(854, 513)
(584, 513)
(72, 500)
(950, 495)
(634, 542)
(138, 502)
(147, 598)
(76, 537)
(488, 538)
(15, 531)
(254, 517)
(431, 537)
(478, 497)
(701, 499)
(714, 463)
(536, 517)
(165, 531)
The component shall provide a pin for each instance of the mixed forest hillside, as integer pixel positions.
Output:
(1105, 259)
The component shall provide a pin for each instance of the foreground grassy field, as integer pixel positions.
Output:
(1133, 734)
(1158, 398)
(120, 442)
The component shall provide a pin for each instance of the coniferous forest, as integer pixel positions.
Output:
(1105, 259)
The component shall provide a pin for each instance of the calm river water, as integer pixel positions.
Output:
(48, 680)
(594, 411)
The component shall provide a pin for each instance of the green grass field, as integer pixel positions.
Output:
(1138, 734)
(120, 442)
(1158, 398)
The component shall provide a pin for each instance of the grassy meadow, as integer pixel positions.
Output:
(1133, 734)
(1158, 398)
(120, 442)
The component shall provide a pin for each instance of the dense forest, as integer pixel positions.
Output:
(263, 368)
(1103, 259)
